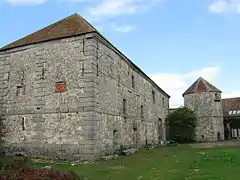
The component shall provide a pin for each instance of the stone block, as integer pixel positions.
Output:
(110, 157)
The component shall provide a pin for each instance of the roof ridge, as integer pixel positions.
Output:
(207, 85)
(69, 26)
(201, 85)
(85, 21)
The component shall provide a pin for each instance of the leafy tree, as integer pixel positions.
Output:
(181, 124)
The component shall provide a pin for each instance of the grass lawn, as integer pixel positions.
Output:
(169, 163)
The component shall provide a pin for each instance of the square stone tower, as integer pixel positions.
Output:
(205, 99)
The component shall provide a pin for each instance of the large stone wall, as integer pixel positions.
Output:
(39, 121)
(114, 83)
(209, 114)
(87, 120)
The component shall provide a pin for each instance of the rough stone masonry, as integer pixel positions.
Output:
(66, 93)
(205, 100)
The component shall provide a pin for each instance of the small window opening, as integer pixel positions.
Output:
(153, 96)
(218, 136)
(23, 124)
(217, 97)
(97, 70)
(20, 90)
(43, 71)
(60, 87)
(114, 138)
(83, 69)
(114, 131)
(133, 81)
(142, 111)
(163, 102)
(124, 106)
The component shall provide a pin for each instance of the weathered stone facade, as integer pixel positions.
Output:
(139, 124)
(207, 105)
(77, 98)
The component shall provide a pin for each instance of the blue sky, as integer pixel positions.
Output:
(173, 41)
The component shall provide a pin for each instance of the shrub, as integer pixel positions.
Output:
(37, 174)
(14, 163)
(181, 125)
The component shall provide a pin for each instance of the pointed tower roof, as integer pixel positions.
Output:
(70, 26)
(201, 85)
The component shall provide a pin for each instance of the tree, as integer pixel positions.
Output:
(181, 124)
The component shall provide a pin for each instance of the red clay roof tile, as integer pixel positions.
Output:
(201, 85)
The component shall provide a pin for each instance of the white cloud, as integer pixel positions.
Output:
(123, 29)
(104, 9)
(225, 6)
(108, 11)
(25, 2)
(176, 84)
(115, 7)
(118, 7)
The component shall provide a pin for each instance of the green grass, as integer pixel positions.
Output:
(169, 163)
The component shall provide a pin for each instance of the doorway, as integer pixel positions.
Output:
(160, 130)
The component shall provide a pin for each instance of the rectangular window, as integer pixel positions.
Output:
(217, 97)
(43, 71)
(153, 96)
(163, 102)
(83, 69)
(133, 81)
(60, 87)
(23, 124)
(97, 70)
(141, 111)
(124, 106)
(20, 91)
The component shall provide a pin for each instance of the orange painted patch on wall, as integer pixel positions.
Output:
(60, 87)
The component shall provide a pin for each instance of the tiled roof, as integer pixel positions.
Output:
(201, 85)
(231, 106)
(68, 27)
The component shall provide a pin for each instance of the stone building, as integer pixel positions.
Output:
(205, 99)
(67, 93)
(231, 115)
